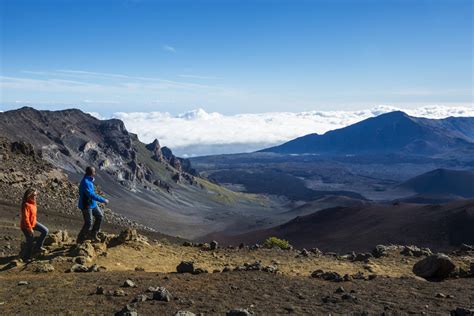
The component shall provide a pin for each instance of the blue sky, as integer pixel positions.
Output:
(235, 56)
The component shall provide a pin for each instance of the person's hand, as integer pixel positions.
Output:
(30, 233)
(106, 201)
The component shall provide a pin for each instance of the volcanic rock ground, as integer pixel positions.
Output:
(393, 288)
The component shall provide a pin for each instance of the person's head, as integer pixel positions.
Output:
(90, 171)
(30, 195)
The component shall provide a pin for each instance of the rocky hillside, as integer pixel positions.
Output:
(145, 182)
(72, 140)
(21, 167)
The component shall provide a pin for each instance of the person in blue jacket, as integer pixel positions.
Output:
(88, 205)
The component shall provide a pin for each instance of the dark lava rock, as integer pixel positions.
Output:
(129, 283)
(99, 290)
(462, 312)
(140, 298)
(127, 311)
(199, 271)
(214, 245)
(363, 256)
(185, 267)
(238, 312)
(340, 290)
(437, 266)
(162, 294)
(414, 251)
(328, 276)
(379, 251)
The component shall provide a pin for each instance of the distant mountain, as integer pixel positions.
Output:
(361, 226)
(443, 182)
(394, 132)
(146, 182)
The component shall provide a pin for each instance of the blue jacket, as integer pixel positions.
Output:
(87, 193)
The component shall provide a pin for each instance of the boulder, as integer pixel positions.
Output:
(57, 238)
(438, 266)
(185, 267)
(162, 294)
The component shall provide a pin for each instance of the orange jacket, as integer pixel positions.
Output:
(28, 216)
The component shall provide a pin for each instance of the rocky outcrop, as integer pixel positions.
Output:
(438, 267)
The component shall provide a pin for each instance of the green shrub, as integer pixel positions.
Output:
(277, 242)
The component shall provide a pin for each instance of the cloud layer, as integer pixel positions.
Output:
(200, 133)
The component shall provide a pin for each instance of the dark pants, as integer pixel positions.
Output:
(89, 229)
(30, 238)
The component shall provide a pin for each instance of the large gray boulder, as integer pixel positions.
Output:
(438, 266)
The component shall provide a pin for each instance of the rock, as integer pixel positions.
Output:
(460, 311)
(437, 266)
(162, 294)
(238, 312)
(440, 295)
(86, 249)
(128, 283)
(100, 290)
(199, 271)
(414, 251)
(79, 268)
(140, 298)
(57, 238)
(185, 267)
(119, 293)
(139, 269)
(214, 245)
(380, 251)
(80, 260)
(94, 268)
(340, 290)
(43, 268)
(304, 253)
(128, 310)
(348, 296)
(184, 313)
(363, 257)
(23, 283)
(226, 269)
(270, 269)
(328, 276)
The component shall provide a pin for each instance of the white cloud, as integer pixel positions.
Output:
(198, 132)
(169, 48)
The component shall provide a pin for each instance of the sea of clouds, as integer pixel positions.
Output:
(197, 133)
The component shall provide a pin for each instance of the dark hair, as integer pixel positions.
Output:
(89, 170)
(27, 195)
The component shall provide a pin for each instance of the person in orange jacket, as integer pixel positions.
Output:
(29, 223)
